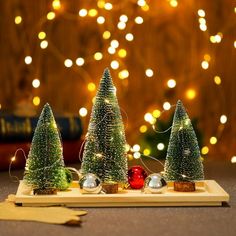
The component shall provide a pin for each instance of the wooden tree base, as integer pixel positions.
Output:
(110, 187)
(184, 186)
(48, 191)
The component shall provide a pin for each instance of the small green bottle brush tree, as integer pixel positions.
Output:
(104, 153)
(45, 169)
(183, 163)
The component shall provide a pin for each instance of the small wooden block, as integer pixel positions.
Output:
(110, 187)
(184, 186)
(47, 191)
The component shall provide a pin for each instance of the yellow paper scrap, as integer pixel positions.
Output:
(52, 215)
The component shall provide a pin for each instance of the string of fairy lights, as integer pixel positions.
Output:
(116, 49)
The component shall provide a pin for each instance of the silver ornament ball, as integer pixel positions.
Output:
(154, 183)
(90, 183)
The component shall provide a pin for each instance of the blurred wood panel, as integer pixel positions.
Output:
(169, 41)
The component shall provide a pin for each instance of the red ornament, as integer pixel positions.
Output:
(136, 177)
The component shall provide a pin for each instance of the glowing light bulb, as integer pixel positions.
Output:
(217, 80)
(115, 65)
(205, 150)
(13, 158)
(36, 83)
(127, 147)
(218, 37)
(148, 117)
(68, 63)
(205, 65)
(83, 112)
(130, 157)
(79, 61)
(28, 60)
(203, 27)
(212, 39)
(233, 159)
(91, 87)
(111, 50)
(101, 3)
(149, 72)
(213, 140)
(223, 119)
(145, 7)
(51, 15)
(156, 113)
(36, 100)
(207, 57)
(123, 74)
(56, 4)
(122, 53)
(202, 21)
(108, 6)
(92, 12)
(136, 148)
(114, 43)
(166, 106)
(98, 56)
(93, 100)
(100, 20)
(18, 20)
(41, 35)
(141, 3)
(129, 37)
(191, 94)
(235, 44)
(143, 129)
(44, 44)
(201, 13)
(171, 83)
(121, 25)
(99, 155)
(123, 18)
(83, 12)
(138, 20)
(160, 146)
(106, 35)
(146, 152)
(173, 3)
(137, 155)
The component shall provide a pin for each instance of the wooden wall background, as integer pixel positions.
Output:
(169, 41)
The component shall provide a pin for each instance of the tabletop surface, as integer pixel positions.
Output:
(178, 221)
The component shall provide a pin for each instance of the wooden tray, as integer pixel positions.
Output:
(208, 193)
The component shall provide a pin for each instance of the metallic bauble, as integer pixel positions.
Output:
(154, 183)
(136, 177)
(90, 183)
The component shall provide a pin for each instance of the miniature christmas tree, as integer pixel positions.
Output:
(105, 153)
(183, 162)
(45, 169)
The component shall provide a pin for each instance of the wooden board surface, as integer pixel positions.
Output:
(208, 193)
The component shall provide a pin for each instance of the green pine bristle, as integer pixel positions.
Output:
(45, 166)
(183, 154)
(104, 153)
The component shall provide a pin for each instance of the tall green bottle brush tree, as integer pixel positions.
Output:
(105, 153)
(183, 163)
(45, 169)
